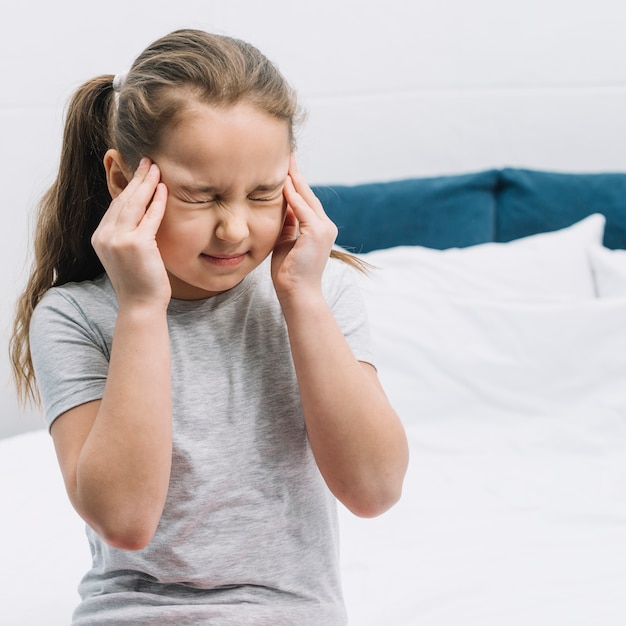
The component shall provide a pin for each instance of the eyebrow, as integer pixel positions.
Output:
(269, 186)
(193, 189)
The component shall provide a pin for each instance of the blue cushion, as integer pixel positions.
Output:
(438, 212)
(531, 201)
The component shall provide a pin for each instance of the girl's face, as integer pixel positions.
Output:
(224, 169)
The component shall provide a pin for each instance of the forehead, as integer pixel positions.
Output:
(218, 144)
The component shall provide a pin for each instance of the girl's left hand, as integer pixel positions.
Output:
(303, 247)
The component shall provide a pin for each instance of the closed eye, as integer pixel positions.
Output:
(190, 195)
(188, 200)
(271, 192)
(267, 195)
(264, 199)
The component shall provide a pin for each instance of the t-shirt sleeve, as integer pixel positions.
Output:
(343, 295)
(70, 359)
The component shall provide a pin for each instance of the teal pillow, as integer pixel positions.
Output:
(531, 201)
(439, 212)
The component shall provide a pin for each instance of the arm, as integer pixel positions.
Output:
(357, 439)
(115, 454)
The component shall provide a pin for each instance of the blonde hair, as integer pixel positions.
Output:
(182, 66)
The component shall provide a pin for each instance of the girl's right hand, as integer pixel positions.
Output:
(125, 240)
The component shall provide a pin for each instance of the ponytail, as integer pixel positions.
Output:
(69, 213)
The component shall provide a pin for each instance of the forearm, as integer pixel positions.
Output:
(357, 439)
(123, 470)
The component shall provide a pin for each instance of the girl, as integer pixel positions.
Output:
(203, 367)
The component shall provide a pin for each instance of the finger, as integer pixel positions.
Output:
(138, 175)
(302, 188)
(301, 208)
(138, 198)
(112, 213)
(153, 216)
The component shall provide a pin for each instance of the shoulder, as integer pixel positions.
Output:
(337, 277)
(82, 294)
(340, 279)
(88, 301)
(71, 333)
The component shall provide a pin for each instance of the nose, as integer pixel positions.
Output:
(232, 225)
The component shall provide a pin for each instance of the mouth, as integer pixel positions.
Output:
(224, 260)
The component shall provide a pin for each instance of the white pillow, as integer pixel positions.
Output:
(441, 356)
(547, 265)
(609, 270)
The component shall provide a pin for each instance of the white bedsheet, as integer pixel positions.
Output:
(43, 547)
(501, 523)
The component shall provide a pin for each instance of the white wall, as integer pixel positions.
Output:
(394, 89)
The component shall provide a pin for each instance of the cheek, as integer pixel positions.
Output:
(278, 221)
(269, 219)
(177, 233)
(166, 233)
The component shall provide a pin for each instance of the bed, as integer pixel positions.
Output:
(497, 304)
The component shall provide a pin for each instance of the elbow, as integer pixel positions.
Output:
(128, 541)
(131, 537)
(380, 492)
(127, 530)
(125, 519)
(373, 504)
(373, 497)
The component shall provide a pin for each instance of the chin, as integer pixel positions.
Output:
(201, 290)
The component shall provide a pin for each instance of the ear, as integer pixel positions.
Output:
(117, 172)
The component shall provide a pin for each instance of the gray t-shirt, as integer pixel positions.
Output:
(249, 531)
